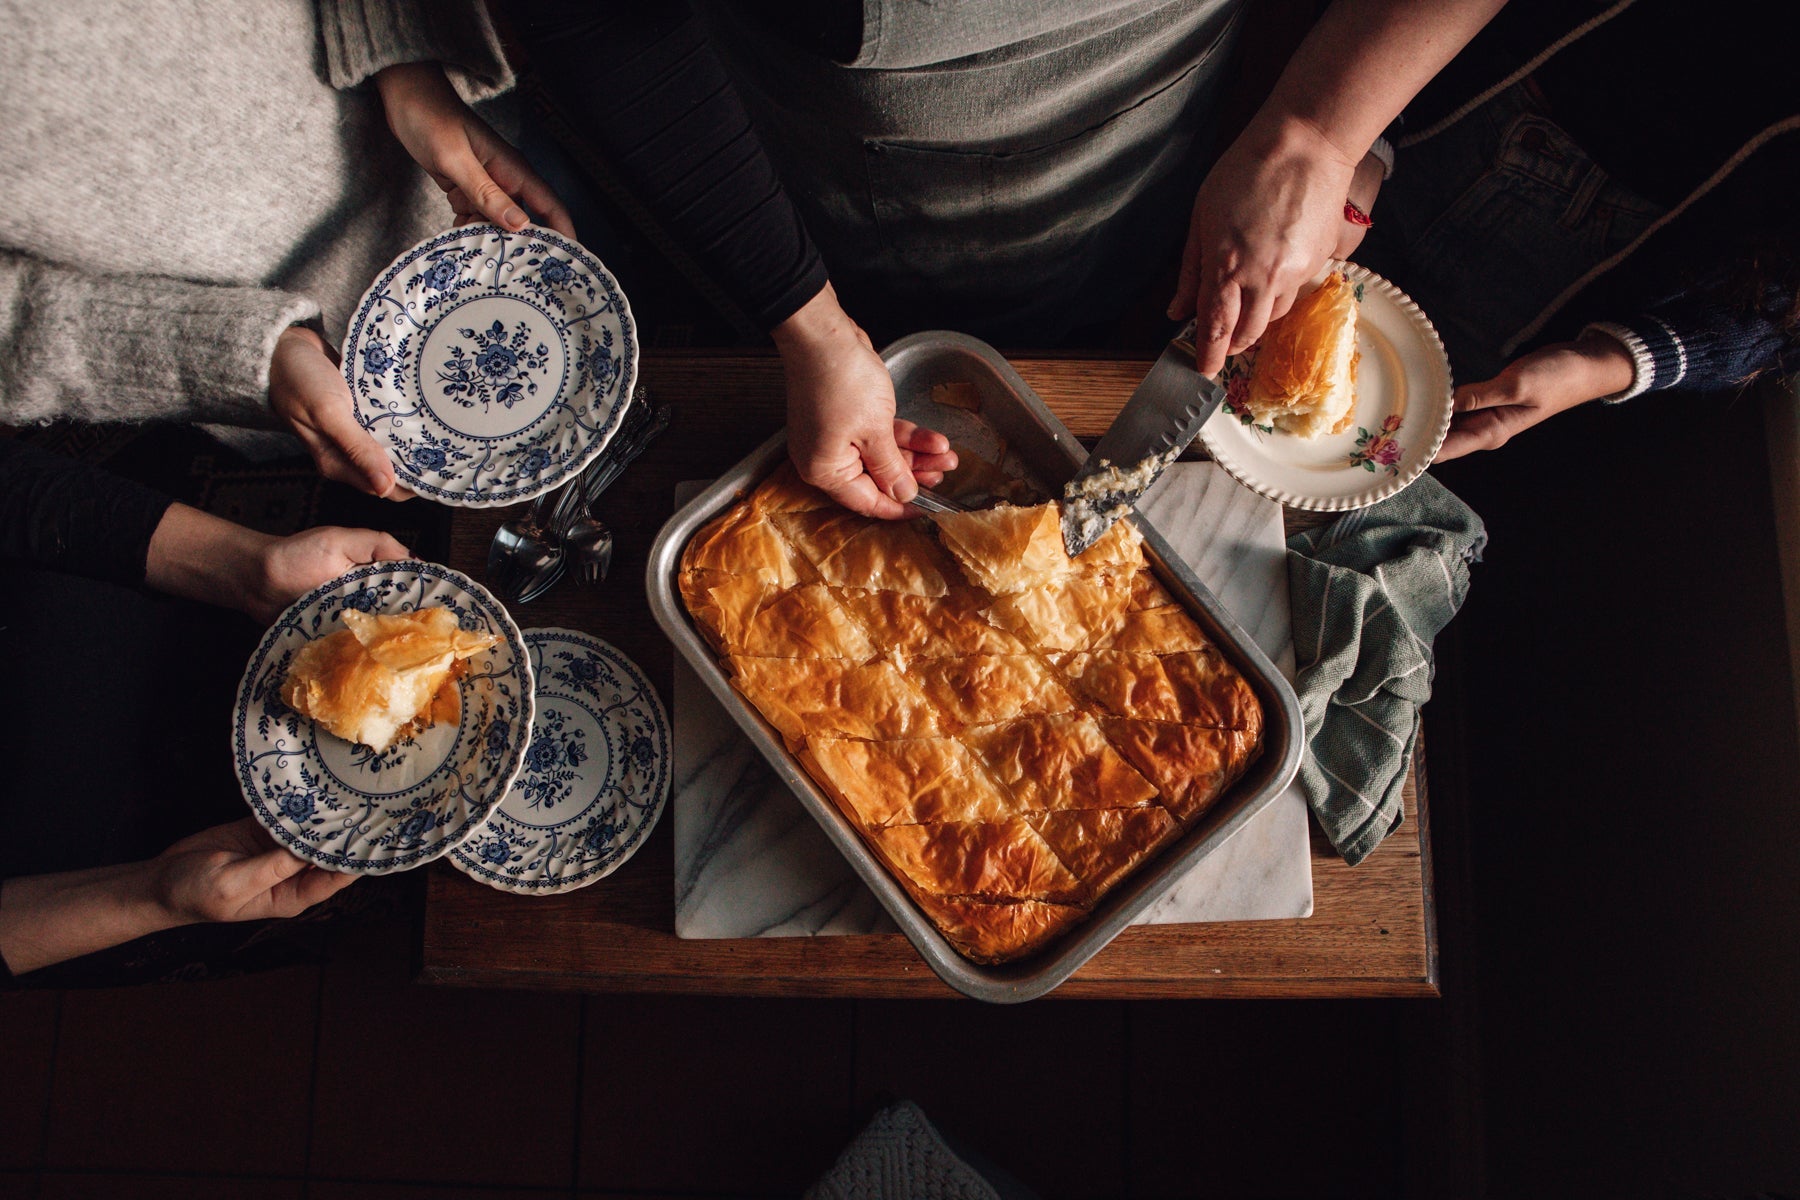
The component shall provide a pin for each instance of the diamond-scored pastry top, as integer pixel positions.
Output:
(1012, 730)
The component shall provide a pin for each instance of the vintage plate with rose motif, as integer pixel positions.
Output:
(492, 365)
(596, 775)
(1402, 413)
(340, 804)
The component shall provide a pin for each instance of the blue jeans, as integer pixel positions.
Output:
(1486, 223)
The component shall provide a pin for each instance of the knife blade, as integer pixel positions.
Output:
(1163, 415)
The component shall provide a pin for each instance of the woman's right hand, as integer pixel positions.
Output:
(232, 872)
(236, 872)
(842, 433)
(1269, 214)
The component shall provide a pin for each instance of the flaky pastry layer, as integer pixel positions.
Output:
(1304, 378)
(384, 675)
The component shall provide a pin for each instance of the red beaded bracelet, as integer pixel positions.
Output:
(1357, 216)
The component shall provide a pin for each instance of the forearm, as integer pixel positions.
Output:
(71, 516)
(1363, 62)
(206, 558)
(1597, 367)
(47, 919)
(135, 347)
(816, 326)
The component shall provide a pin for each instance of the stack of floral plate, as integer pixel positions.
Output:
(554, 775)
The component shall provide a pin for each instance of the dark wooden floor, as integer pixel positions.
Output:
(346, 1081)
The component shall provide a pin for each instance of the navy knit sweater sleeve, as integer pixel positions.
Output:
(1699, 341)
(641, 84)
(70, 516)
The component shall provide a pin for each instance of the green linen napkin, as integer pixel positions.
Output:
(1369, 592)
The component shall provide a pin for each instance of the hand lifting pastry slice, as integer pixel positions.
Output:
(384, 676)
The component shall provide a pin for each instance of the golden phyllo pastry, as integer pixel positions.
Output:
(1304, 378)
(383, 676)
(1011, 730)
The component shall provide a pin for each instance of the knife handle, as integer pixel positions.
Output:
(1185, 339)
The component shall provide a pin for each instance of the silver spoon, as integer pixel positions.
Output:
(588, 540)
(534, 583)
(522, 549)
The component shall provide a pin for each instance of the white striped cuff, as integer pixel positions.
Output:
(1643, 367)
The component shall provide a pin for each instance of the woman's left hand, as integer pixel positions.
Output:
(1533, 389)
(292, 566)
(215, 561)
(484, 177)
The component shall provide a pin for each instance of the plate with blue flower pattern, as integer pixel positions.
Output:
(596, 775)
(492, 365)
(345, 806)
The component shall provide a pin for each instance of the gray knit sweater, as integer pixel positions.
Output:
(183, 179)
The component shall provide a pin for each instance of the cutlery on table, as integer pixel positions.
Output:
(524, 549)
(588, 540)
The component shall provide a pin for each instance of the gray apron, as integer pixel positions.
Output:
(1009, 168)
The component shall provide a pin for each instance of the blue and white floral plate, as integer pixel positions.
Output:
(596, 776)
(342, 805)
(493, 365)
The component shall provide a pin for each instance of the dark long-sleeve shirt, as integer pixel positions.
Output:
(641, 83)
(1702, 339)
(71, 516)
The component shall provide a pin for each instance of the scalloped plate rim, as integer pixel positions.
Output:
(459, 857)
(626, 383)
(1243, 467)
(243, 702)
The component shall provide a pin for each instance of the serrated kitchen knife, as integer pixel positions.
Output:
(1163, 415)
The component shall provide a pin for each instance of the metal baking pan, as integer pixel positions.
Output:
(1037, 441)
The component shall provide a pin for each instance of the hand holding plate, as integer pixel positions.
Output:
(236, 872)
(1534, 389)
(307, 390)
(292, 566)
(480, 172)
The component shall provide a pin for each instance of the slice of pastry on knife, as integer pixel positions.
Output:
(384, 676)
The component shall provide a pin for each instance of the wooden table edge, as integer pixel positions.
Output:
(928, 987)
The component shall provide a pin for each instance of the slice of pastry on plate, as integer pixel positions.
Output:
(1304, 380)
(383, 675)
